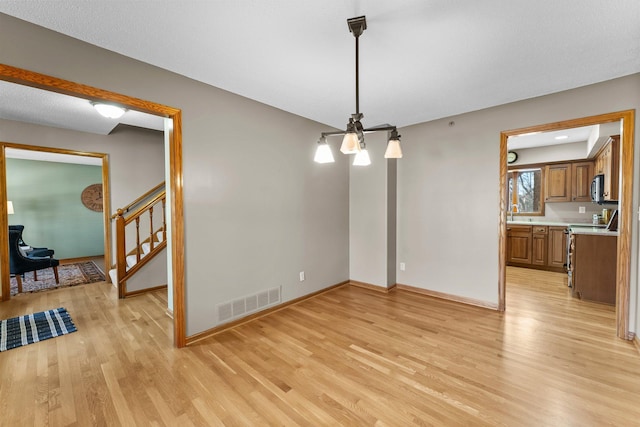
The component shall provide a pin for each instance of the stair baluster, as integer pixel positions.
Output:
(152, 239)
(145, 247)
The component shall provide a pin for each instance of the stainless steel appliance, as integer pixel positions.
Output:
(570, 246)
(597, 189)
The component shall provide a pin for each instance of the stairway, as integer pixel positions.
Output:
(140, 255)
(133, 259)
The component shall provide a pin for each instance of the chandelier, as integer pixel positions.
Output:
(353, 141)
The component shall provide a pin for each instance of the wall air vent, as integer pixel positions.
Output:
(241, 307)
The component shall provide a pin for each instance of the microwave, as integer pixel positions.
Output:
(597, 189)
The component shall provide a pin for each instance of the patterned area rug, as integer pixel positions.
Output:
(70, 275)
(23, 330)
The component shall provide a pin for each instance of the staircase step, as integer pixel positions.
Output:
(113, 273)
(133, 260)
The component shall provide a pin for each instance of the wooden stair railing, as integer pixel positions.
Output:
(141, 209)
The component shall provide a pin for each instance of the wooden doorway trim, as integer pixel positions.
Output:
(625, 209)
(53, 84)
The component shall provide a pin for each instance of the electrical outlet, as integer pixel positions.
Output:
(582, 209)
(302, 276)
(402, 266)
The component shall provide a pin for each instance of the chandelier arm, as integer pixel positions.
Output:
(377, 129)
(338, 132)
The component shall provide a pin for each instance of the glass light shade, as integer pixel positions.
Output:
(350, 144)
(393, 150)
(109, 111)
(362, 158)
(323, 154)
(10, 207)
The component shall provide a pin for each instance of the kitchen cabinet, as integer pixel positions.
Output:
(594, 264)
(581, 176)
(557, 247)
(539, 245)
(608, 163)
(519, 244)
(569, 182)
(558, 182)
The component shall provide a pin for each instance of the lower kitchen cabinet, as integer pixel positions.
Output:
(594, 265)
(537, 246)
(519, 244)
(557, 247)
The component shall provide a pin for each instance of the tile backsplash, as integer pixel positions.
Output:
(568, 212)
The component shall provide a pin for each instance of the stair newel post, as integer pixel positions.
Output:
(164, 219)
(151, 236)
(137, 239)
(121, 256)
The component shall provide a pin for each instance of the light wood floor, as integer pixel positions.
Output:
(348, 357)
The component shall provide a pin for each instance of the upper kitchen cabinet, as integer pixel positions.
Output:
(569, 182)
(581, 175)
(608, 163)
(558, 183)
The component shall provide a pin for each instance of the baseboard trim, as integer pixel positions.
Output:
(144, 291)
(79, 259)
(448, 297)
(371, 287)
(169, 313)
(191, 339)
(636, 341)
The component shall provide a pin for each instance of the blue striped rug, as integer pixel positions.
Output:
(23, 330)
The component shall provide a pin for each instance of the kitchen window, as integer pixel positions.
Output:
(526, 191)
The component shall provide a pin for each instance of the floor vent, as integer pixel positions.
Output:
(240, 307)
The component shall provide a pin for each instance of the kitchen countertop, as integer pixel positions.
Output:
(602, 231)
(548, 223)
(576, 228)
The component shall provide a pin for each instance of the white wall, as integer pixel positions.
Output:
(257, 209)
(369, 217)
(552, 153)
(448, 188)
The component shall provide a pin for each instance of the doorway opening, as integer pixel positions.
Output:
(625, 209)
(59, 213)
(173, 146)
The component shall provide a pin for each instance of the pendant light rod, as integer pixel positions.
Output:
(357, 27)
(357, 76)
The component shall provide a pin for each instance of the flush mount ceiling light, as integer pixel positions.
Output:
(108, 110)
(353, 140)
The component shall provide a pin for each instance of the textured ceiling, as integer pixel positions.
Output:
(419, 60)
(28, 104)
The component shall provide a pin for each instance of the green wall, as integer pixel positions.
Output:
(46, 200)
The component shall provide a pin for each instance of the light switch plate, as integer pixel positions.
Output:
(582, 209)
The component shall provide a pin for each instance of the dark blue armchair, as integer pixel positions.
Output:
(32, 252)
(20, 264)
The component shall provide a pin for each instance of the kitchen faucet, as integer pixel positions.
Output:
(514, 207)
